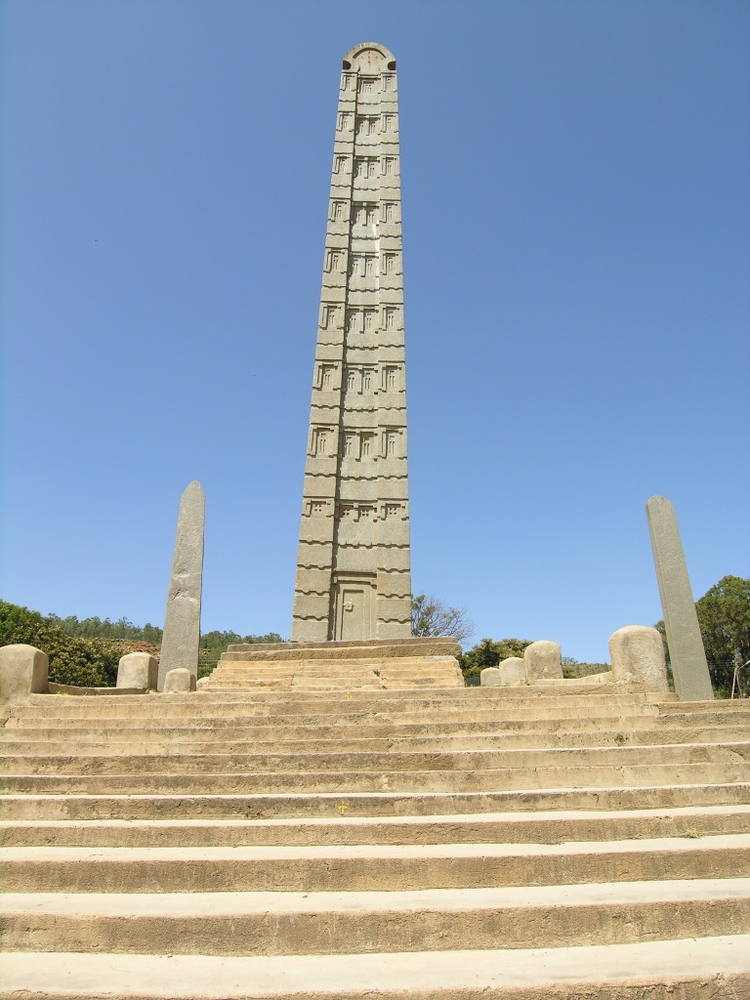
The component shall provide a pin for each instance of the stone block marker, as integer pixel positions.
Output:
(687, 656)
(23, 671)
(543, 661)
(637, 655)
(179, 679)
(179, 646)
(490, 677)
(512, 671)
(137, 670)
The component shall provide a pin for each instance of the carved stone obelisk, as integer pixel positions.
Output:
(353, 565)
(686, 654)
(179, 645)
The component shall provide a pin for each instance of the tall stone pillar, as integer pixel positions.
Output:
(353, 565)
(182, 621)
(686, 654)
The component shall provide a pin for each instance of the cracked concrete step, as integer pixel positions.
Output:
(362, 804)
(346, 782)
(185, 742)
(685, 969)
(180, 761)
(372, 867)
(287, 923)
(538, 827)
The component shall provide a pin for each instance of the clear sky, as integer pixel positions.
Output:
(577, 234)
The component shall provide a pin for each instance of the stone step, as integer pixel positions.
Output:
(362, 804)
(180, 761)
(184, 741)
(344, 716)
(604, 729)
(346, 782)
(304, 923)
(687, 969)
(537, 827)
(368, 868)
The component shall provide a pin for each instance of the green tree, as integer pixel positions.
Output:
(724, 620)
(430, 617)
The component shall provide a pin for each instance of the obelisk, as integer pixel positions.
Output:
(686, 654)
(182, 621)
(353, 565)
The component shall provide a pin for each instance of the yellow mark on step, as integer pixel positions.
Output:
(342, 807)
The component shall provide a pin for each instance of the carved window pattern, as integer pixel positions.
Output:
(390, 378)
(338, 211)
(352, 378)
(388, 123)
(390, 263)
(339, 164)
(363, 265)
(351, 445)
(388, 211)
(392, 510)
(390, 317)
(364, 213)
(321, 441)
(334, 261)
(366, 379)
(365, 167)
(325, 376)
(390, 443)
(317, 507)
(344, 120)
(368, 444)
(388, 166)
(348, 81)
(370, 317)
(328, 316)
(367, 125)
(389, 83)
(368, 85)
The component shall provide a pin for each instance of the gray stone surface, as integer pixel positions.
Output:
(23, 671)
(490, 677)
(512, 671)
(353, 564)
(686, 654)
(137, 670)
(637, 655)
(179, 679)
(179, 647)
(543, 661)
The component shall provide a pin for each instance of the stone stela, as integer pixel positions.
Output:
(353, 566)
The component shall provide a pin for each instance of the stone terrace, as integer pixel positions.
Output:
(261, 842)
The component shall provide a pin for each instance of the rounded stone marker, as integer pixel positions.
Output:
(137, 670)
(637, 655)
(23, 671)
(490, 677)
(512, 671)
(543, 661)
(179, 680)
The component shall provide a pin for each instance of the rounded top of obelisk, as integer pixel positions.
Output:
(369, 56)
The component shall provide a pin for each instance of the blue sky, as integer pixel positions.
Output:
(577, 242)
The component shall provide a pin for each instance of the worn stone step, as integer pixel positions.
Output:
(343, 716)
(688, 969)
(346, 782)
(76, 806)
(184, 741)
(233, 728)
(367, 868)
(180, 761)
(289, 923)
(537, 827)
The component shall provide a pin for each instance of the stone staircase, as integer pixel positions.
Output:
(340, 666)
(251, 841)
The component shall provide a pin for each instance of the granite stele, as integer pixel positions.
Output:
(353, 565)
